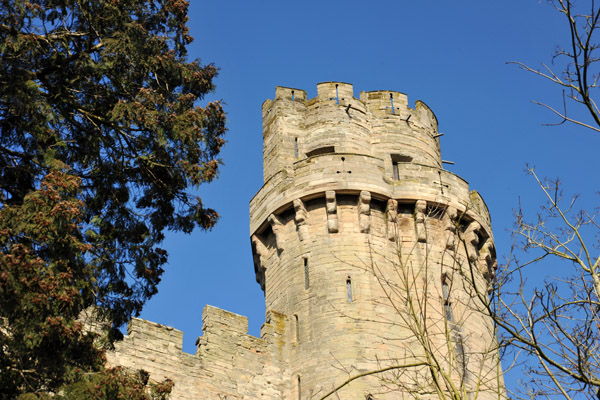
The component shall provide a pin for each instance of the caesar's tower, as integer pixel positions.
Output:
(377, 257)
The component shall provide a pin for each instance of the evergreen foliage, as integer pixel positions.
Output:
(102, 136)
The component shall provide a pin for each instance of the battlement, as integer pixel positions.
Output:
(351, 184)
(282, 92)
(386, 102)
(338, 142)
(225, 354)
(355, 217)
(214, 318)
(379, 123)
(338, 91)
(152, 335)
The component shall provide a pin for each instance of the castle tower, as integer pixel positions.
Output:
(377, 257)
(374, 260)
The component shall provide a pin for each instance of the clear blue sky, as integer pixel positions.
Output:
(451, 55)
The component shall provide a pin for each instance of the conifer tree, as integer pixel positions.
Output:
(104, 134)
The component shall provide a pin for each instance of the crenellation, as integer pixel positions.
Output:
(282, 132)
(215, 318)
(356, 215)
(228, 360)
(386, 103)
(339, 123)
(287, 93)
(380, 160)
(334, 91)
(147, 333)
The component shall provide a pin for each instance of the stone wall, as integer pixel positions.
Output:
(228, 363)
(371, 255)
(356, 220)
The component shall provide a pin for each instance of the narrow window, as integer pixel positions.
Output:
(296, 147)
(296, 328)
(397, 159)
(349, 289)
(455, 334)
(460, 355)
(337, 96)
(447, 303)
(299, 389)
(306, 276)
(459, 348)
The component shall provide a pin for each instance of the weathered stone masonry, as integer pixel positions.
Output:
(355, 198)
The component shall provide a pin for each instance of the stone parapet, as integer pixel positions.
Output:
(379, 124)
(370, 255)
(228, 361)
(357, 215)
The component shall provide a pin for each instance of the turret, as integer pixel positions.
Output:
(356, 204)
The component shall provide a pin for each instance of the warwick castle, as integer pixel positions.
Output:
(374, 260)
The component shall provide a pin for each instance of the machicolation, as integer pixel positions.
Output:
(357, 223)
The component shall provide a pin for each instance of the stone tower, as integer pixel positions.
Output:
(374, 260)
(377, 257)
